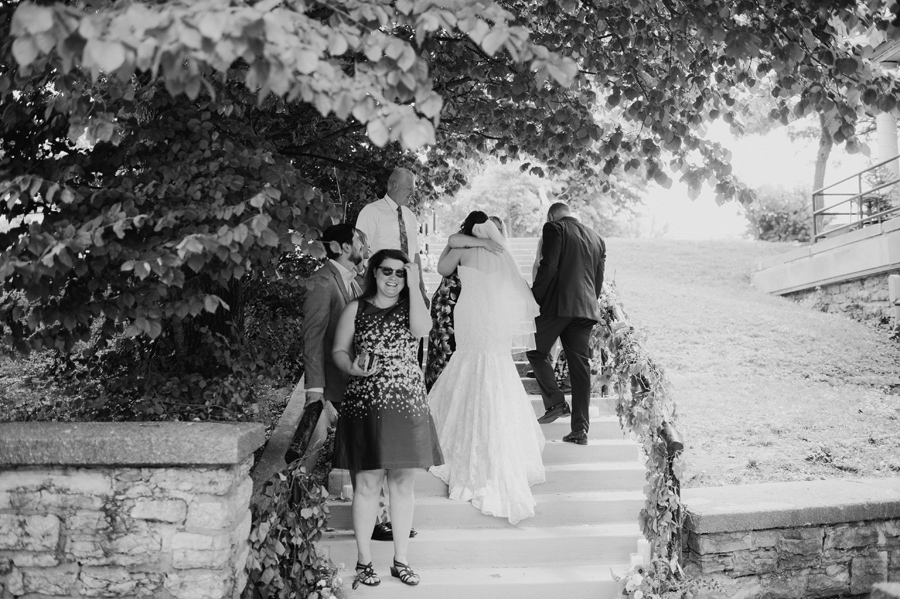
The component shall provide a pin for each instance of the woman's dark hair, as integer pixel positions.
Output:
(476, 217)
(369, 287)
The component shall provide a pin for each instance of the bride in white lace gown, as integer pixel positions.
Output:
(491, 440)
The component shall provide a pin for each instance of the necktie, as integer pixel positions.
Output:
(355, 291)
(404, 242)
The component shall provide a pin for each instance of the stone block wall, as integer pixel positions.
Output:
(798, 539)
(169, 520)
(803, 561)
(865, 299)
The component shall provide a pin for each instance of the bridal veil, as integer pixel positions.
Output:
(508, 286)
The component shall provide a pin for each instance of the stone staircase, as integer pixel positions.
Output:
(585, 522)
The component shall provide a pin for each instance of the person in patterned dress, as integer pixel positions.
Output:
(385, 427)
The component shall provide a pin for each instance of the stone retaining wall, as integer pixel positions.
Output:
(805, 539)
(865, 299)
(125, 510)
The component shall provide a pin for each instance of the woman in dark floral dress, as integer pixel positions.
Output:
(385, 427)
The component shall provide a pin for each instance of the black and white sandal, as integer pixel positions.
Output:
(404, 573)
(365, 574)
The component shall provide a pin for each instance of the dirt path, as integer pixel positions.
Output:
(766, 389)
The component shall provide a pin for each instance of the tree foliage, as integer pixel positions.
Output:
(161, 158)
(780, 214)
(521, 198)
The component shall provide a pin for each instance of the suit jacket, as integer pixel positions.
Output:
(326, 298)
(569, 278)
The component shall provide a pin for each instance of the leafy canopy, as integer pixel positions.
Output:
(156, 156)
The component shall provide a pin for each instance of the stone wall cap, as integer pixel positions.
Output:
(790, 504)
(128, 443)
(886, 590)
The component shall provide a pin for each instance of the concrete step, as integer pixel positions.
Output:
(561, 478)
(602, 427)
(600, 406)
(532, 582)
(558, 452)
(434, 513)
(531, 386)
(500, 547)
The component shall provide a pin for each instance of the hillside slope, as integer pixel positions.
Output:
(765, 389)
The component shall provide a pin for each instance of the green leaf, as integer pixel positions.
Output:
(377, 132)
(494, 40)
(108, 56)
(306, 61)
(259, 200)
(142, 270)
(24, 50)
(416, 134)
(260, 223)
(213, 24)
(29, 18)
(269, 238)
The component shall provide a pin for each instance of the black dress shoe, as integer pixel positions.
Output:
(384, 532)
(530, 374)
(577, 437)
(557, 411)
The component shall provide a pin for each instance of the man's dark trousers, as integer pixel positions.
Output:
(575, 336)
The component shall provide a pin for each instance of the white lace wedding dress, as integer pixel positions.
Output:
(487, 428)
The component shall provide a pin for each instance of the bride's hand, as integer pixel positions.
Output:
(493, 246)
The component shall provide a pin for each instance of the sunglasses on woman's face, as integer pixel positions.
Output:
(400, 272)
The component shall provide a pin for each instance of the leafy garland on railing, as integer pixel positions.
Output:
(643, 406)
(288, 522)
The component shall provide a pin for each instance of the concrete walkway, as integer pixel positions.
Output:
(585, 522)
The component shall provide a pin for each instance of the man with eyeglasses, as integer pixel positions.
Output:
(389, 224)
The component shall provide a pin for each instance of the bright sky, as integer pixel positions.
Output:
(771, 159)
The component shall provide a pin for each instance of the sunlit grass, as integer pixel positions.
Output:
(765, 389)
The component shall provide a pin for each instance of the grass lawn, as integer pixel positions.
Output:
(765, 390)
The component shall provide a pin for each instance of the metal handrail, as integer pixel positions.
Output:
(857, 198)
(822, 211)
(845, 179)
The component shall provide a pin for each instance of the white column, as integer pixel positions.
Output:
(886, 125)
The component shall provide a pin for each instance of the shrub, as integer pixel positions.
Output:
(137, 378)
(780, 214)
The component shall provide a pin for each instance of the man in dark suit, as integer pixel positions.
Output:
(567, 284)
(330, 289)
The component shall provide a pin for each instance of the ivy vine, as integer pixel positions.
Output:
(643, 407)
(289, 520)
